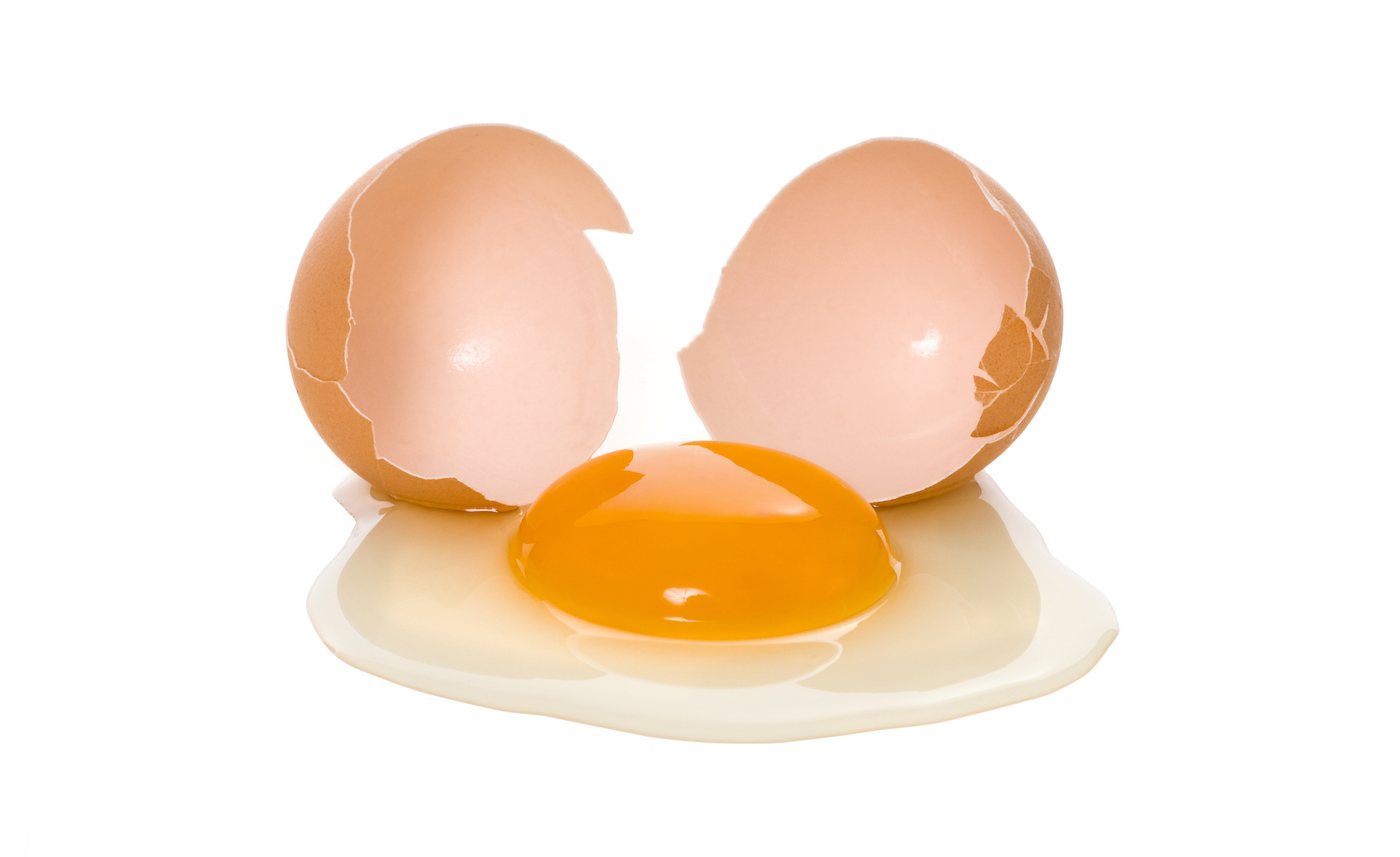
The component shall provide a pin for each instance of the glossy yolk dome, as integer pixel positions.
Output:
(705, 540)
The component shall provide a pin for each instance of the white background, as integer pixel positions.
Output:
(1217, 184)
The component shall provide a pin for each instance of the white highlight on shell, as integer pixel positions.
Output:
(472, 353)
(928, 346)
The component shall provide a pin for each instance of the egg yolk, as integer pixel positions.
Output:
(704, 541)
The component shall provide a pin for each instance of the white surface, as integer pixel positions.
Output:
(1217, 183)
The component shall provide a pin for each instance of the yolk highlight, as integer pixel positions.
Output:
(704, 541)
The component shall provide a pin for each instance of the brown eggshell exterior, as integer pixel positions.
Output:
(319, 314)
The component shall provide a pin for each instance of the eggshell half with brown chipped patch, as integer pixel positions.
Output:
(892, 316)
(452, 332)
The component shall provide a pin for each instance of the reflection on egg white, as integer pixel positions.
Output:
(981, 617)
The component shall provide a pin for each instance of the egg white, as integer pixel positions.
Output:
(982, 616)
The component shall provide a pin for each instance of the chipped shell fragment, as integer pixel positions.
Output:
(892, 316)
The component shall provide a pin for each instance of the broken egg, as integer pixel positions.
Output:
(892, 316)
(888, 325)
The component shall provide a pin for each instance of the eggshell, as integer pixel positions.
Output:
(892, 316)
(452, 332)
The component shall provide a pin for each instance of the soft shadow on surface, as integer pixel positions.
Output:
(706, 664)
(433, 586)
(966, 603)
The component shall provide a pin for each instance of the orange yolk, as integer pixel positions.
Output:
(704, 541)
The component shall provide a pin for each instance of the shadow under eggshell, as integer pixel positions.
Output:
(452, 332)
(861, 320)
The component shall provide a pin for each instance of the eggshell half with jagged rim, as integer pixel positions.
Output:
(892, 316)
(452, 332)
